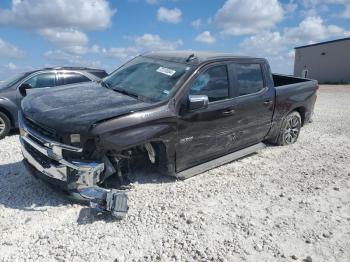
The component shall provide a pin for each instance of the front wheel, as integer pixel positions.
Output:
(290, 129)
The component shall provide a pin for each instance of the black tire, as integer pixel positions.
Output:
(290, 129)
(5, 125)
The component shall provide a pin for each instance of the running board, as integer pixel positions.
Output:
(219, 161)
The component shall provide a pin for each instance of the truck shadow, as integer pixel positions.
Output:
(19, 190)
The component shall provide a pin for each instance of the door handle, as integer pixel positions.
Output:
(229, 112)
(268, 103)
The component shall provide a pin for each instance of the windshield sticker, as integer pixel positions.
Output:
(166, 71)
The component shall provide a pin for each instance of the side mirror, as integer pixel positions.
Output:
(196, 102)
(23, 88)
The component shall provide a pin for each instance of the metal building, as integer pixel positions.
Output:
(327, 62)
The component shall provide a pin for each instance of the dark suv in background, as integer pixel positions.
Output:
(15, 88)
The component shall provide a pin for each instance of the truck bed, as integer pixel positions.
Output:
(282, 80)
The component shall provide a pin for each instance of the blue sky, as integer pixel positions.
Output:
(101, 33)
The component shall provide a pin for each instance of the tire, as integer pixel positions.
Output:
(5, 125)
(290, 129)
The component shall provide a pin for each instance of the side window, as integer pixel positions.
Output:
(72, 78)
(249, 78)
(42, 80)
(212, 83)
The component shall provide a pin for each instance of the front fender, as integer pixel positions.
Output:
(120, 140)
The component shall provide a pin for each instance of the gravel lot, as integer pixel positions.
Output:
(282, 204)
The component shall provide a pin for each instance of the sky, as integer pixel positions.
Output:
(105, 34)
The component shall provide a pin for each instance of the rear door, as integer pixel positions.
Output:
(253, 102)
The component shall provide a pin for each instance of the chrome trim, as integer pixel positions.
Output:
(88, 172)
(57, 172)
(46, 141)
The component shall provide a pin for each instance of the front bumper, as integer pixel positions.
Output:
(46, 157)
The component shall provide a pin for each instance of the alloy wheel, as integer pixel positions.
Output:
(2, 125)
(292, 130)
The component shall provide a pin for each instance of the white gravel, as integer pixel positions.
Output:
(282, 204)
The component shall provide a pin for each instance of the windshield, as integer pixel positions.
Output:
(146, 78)
(12, 80)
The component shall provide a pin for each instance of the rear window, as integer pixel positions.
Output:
(249, 78)
(99, 74)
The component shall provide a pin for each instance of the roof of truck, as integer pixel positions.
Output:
(191, 57)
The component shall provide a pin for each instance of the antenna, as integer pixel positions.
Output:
(191, 57)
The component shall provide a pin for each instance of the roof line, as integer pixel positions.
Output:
(323, 43)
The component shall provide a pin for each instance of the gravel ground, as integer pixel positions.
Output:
(282, 204)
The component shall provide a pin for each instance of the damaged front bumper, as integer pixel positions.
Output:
(44, 158)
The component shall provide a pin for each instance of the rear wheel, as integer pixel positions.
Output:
(290, 129)
(5, 125)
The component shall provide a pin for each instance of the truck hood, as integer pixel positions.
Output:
(74, 108)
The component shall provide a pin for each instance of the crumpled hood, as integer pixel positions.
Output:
(74, 108)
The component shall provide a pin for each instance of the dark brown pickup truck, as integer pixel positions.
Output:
(180, 112)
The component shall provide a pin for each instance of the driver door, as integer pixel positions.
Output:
(206, 133)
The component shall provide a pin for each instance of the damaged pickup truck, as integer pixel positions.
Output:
(181, 113)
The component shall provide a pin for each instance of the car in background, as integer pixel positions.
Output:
(15, 88)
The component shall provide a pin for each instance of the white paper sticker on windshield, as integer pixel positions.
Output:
(166, 71)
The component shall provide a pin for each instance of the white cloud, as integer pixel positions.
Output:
(206, 38)
(151, 2)
(144, 43)
(314, 3)
(346, 12)
(149, 42)
(278, 47)
(11, 66)
(317, 5)
(65, 37)
(198, 23)
(82, 50)
(9, 50)
(290, 7)
(122, 53)
(58, 21)
(38, 14)
(264, 44)
(241, 17)
(61, 57)
(313, 29)
(73, 55)
(169, 15)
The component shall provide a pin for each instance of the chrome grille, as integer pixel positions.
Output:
(45, 131)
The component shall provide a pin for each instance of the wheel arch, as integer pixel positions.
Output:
(302, 111)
